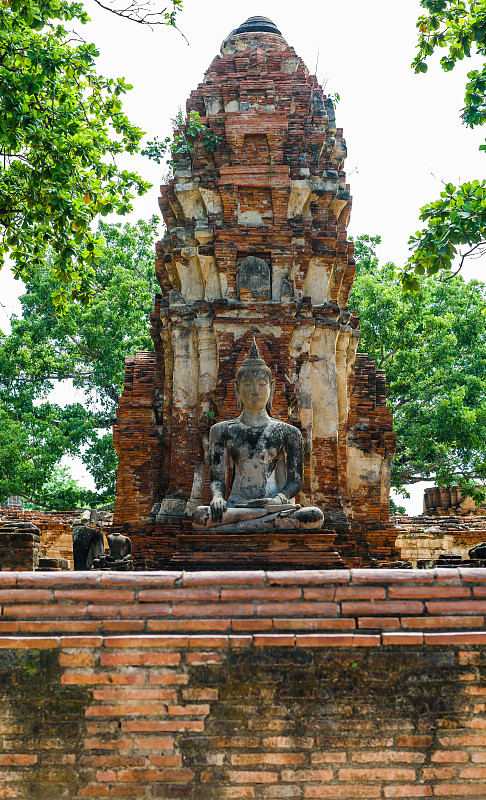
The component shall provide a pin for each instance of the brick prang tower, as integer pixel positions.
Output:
(256, 218)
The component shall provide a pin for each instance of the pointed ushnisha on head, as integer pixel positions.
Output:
(253, 361)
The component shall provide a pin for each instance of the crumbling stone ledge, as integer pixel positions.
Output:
(301, 608)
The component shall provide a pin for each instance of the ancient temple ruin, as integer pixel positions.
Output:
(256, 247)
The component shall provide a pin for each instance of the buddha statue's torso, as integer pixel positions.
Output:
(258, 456)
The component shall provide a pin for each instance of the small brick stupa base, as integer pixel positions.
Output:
(256, 216)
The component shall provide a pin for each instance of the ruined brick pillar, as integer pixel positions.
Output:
(256, 216)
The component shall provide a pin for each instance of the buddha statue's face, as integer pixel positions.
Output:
(255, 388)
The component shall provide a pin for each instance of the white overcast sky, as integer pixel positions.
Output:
(403, 131)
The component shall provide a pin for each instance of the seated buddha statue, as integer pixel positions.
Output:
(267, 456)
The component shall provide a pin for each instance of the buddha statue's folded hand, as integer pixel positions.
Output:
(218, 507)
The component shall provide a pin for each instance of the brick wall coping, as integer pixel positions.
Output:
(223, 609)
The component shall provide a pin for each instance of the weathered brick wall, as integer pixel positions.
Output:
(55, 528)
(427, 537)
(449, 500)
(221, 686)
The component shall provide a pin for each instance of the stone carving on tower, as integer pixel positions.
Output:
(256, 249)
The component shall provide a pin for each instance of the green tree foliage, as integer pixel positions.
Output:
(87, 346)
(455, 224)
(432, 345)
(61, 128)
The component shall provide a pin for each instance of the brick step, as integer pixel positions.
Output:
(256, 560)
(256, 542)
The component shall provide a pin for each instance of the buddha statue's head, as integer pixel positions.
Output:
(254, 385)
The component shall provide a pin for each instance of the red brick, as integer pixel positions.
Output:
(456, 606)
(8, 578)
(252, 777)
(463, 740)
(17, 759)
(364, 608)
(173, 625)
(153, 743)
(449, 575)
(459, 790)
(134, 658)
(468, 637)
(273, 640)
(398, 637)
(448, 756)
(148, 641)
(111, 760)
(251, 624)
(331, 757)
(58, 578)
(226, 577)
(297, 608)
(9, 627)
(60, 626)
(145, 610)
(442, 622)
(125, 710)
(129, 625)
(203, 658)
(324, 640)
(360, 593)
(139, 578)
(214, 609)
(208, 641)
(171, 760)
(417, 591)
(103, 678)
(27, 643)
(134, 694)
(263, 593)
(81, 641)
(25, 595)
(48, 610)
(389, 756)
(476, 773)
(414, 740)
(312, 624)
(95, 595)
(380, 622)
(107, 744)
(306, 775)
(438, 773)
(471, 574)
(168, 679)
(303, 576)
(408, 792)
(196, 594)
(261, 759)
(382, 576)
(377, 774)
(240, 641)
(154, 726)
(188, 710)
(152, 775)
(322, 592)
(97, 790)
(76, 659)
